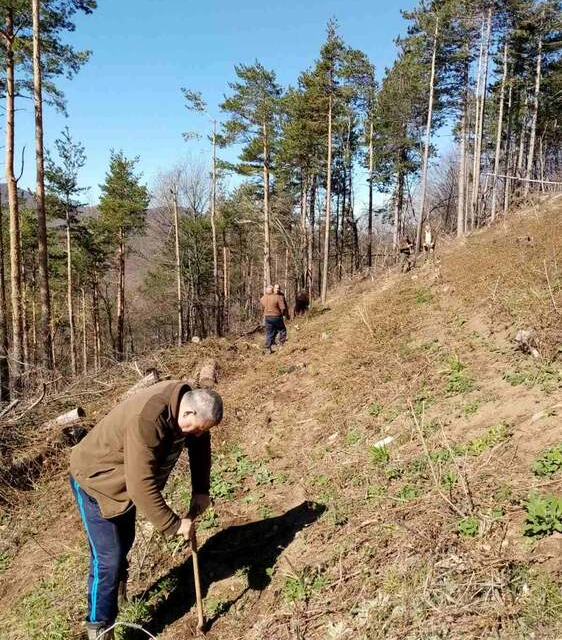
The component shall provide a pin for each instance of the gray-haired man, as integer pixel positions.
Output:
(122, 465)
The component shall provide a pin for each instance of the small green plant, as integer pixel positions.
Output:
(379, 456)
(352, 437)
(216, 608)
(4, 561)
(301, 586)
(394, 473)
(493, 436)
(375, 409)
(209, 520)
(408, 492)
(376, 492)
(458, 381)
(423, 296)
(544, 516)
(468, 527)
(421, 401)
(549, 462)
(449, 480)
(471, 408)
(515, 378)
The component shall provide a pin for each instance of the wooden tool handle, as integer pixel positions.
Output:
(196, 579)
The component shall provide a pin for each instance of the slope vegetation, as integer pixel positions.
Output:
(448, 530)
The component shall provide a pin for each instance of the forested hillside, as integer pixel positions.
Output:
(392, 470)
(485, 76)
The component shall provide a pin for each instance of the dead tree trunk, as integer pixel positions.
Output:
(266, 225)
(370, 212)
(120, 341)
(69, 297)
(178, 267)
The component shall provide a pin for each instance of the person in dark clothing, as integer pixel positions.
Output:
(274, 308)
(406, 254)
(121, 467)
(301, 303)
(278, 292)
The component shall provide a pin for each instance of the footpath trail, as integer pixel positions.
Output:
(317, 532)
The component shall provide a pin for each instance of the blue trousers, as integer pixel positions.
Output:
(274, 325)
(110, 539)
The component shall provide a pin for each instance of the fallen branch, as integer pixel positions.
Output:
(151, 378)
(31, 406)
(9, 408)
(67, 418)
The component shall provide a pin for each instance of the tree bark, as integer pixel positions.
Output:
(119, 344)
(178, 267)
(310, 239)
(533, 135)
(42, 252)
(266, 232)
(69, 300)
(480, 105)
(370, 211)
(15, 252)
(499, 134)
(324, 292)
(462, 177)
(216, 283)
(507, 164)
(4, 347)
(427, 140)
(84, 335)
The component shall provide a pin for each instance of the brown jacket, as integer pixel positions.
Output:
(127, 457)
(273, 304)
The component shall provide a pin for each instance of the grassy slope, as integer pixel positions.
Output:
(315, 533)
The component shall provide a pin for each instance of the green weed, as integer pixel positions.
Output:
(353, 437)
(375, 409)
(549, 462)
(375, 492)
(408, 492)
(493, 436)
(379, 456)
(449, 480)
(544, 516)
(468, 527)
(302, 585)
(471, 408)
(423, 296)
(216, 608)
(458, 382)
(209, 520)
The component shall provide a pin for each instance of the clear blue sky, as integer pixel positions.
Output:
(128, 95)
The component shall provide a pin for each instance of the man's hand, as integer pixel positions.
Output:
(199, 504)
(186, 528)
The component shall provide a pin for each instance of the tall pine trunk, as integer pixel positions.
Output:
(120, 339)
(507, 164)
(328, 218)
(533, 134)
(178, 267)
(499, 134)
(310, 239)
(69, 297)
(216, 283)
(266, 226)
(15, 251)
(4, 348)
(479, 129)
(370, 210)
(427, 139)
(42, 252)
(84, 334)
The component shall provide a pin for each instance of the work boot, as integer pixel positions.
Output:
(96, 629)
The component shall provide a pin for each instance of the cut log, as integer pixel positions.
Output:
(208, 374)
(152, 377)
(67, 418)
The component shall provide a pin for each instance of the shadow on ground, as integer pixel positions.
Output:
(254, 547)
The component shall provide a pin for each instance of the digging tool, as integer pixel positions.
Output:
(197, 581)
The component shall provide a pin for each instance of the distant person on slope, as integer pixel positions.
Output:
(122, 465)
(274, 308)
(406, 250)
(428, 241)
(301, 303)
(278, 292)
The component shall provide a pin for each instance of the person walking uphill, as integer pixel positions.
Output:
(274, 309)
(122, 465)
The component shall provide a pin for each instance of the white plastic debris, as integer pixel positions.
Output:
(384, 442)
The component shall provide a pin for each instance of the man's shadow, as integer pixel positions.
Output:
(252, 547)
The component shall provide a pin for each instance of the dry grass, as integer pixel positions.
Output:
(421, 542)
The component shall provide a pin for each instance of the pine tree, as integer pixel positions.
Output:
(253, 109)
(122, 208)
